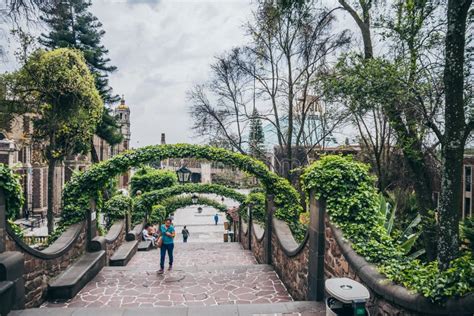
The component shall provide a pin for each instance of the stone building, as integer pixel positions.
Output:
(19, 153)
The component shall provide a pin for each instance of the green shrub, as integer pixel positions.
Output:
(257, 202)
(10, 184)
(353, 206)
(157, 215)
(467, 232)
(147, 179)
(116, 208)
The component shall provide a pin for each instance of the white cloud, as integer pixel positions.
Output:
(162, 48)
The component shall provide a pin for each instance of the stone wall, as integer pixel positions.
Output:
(257, 243)
(293, 270)
(114, 240)
(38, 271)
(244, 236)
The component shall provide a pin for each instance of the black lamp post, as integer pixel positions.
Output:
(184, 175)
(194, 199)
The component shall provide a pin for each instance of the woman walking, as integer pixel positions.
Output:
(167, 235)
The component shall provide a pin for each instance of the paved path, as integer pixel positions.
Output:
(210, 277)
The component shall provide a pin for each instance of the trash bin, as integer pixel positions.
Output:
(231, 236)
(346, 297)
(226, 237)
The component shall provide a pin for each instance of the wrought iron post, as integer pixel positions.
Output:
(317, 210)
(270, 207)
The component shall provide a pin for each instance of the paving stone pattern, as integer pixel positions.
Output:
(209, 278)
(198, 279)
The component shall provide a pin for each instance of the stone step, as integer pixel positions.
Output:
(72, 280)
(145, 245)
(124, 253)
(125, 287)
(275, 309)
(197, 255)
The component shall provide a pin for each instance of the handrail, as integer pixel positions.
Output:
(245, 227)
(258, 231)
(397, 294)
(285, 238)
(114, 231)
(63, 244)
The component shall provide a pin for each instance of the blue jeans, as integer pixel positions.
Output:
(166, 248)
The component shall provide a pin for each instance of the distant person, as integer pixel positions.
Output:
(148, 235)
(216, 218)
(185, 233)
(167, 234)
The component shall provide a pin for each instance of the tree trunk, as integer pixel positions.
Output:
(50, 214)
(453, 141)
(94, 155)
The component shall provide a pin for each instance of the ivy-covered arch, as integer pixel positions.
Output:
(145, 202)
(84, 186)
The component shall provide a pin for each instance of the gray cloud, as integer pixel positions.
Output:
(162, 52)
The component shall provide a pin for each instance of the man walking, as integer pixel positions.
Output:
(185, 233)
(167, 235)
(216, 218)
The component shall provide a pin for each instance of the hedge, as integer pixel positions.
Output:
(10, 184)
(148, 179)
(117, 207)
(352, 205)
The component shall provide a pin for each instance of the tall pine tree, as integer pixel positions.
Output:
(256, 137)
(73, 26)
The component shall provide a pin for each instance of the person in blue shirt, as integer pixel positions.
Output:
(167, 235)
(216, 218)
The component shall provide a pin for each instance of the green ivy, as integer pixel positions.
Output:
(148, 179)
(352, 204)
(117, 207)
(81, 187)
(10, 184)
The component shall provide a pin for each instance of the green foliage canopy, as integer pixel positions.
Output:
(60, 88)
(147, 179)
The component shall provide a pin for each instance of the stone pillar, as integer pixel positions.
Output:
(267, 241)
(316, 229)
(249, 230)
(91, 222)
(3, 210)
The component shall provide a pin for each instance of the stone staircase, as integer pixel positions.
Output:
(207, 279)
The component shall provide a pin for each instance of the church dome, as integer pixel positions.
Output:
(122, 105)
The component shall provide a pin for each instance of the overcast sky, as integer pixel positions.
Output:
(162, 48)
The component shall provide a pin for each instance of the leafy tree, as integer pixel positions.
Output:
(59, 87)
(256, 137)
(72, 25)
